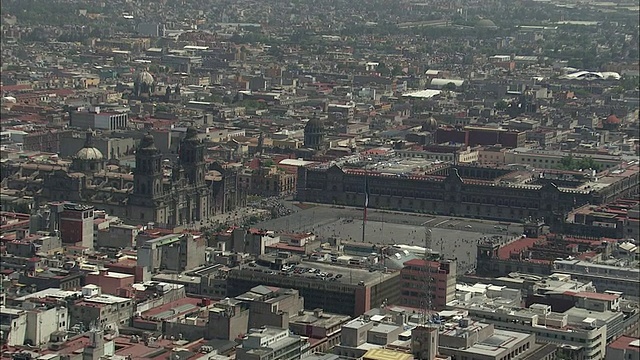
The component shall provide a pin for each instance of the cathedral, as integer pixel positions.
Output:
(168, 195)
(184, 197)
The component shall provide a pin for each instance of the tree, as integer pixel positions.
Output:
(501, 105)
(584, 163)
(449, 87)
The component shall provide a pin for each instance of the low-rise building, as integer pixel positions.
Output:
(476, 340)
(97, 309)
(625, 347)
(322, 329)
(272, 344)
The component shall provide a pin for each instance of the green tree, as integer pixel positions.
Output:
(501, 105)
(449, 87)
(584, 163)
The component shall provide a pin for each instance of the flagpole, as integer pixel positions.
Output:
(366, 204)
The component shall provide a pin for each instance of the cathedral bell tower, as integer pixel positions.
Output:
(147, 176)
(192, 158)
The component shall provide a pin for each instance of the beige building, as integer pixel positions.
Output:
(491, 155)
(467, 155)
(586, 335)
(270, 343)
(542, 159)
(475, 340)
(97, 309)
(267, 181)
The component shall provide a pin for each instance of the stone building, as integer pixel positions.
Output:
(188, 191)
(470, 191)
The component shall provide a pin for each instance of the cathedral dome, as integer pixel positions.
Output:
(430, 124)
(89, 153)
(314, 126)
(145, 78)
(485, 24)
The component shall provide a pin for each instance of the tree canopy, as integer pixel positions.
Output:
(573, 163)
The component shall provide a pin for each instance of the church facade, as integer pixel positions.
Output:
(189, 191)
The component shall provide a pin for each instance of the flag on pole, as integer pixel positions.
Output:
(366, 198)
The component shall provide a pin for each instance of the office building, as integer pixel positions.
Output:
(354, 291)
(95, 118)
(426, 283)
(270, 343)
(76, 225)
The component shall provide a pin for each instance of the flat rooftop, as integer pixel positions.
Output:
(499, 343)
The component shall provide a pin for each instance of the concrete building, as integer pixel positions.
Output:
(46, 141)
(101, 310)
(117, 236)
(270, 343)
(76, 225)
(110, 146)
(227, 319)
(446, 153)
(428, 283)
(546, 159)
(323, 329)
(424, 342)
(175, 252)
(475, 340)
(385, 354)
(583, 331)
(470, 191)
(473, 136)
(111, 282)
(626, 347)
(604, 277)
(270, 306)
(153, 30)
(33, 323)
(28, 245)
(267, 181)
(94, 118)
(538, 255)
(353, 293)
(14, 325)
(372, 330)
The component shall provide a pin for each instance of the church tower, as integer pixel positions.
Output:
(146, 203)
(147, 176)
(192, 157)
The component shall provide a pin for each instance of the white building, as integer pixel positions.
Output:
(625, 280)
(272, 344)
(33, 323)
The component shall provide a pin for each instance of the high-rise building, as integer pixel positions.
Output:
(76, 224)
(421, 279)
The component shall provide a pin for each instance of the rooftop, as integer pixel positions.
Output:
(626, 343)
